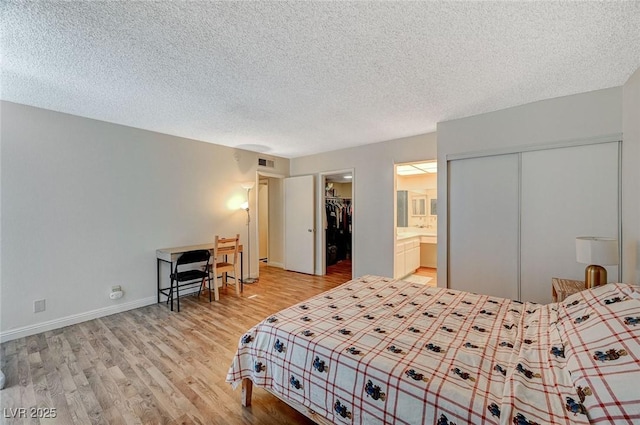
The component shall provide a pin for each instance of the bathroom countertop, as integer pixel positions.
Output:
(412, 232)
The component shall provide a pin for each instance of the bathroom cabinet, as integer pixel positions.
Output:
(428, 252)
(407, 257)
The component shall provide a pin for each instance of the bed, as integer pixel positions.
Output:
(376, 350)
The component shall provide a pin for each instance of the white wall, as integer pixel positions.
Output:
(85, 204)
(631, 180)
(374, 195)
(571, 118)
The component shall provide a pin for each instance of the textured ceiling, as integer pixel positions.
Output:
(296, 78)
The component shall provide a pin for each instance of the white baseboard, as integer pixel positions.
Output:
(73, 319)
(273, 264)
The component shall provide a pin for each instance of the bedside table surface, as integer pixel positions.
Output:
(562, 288)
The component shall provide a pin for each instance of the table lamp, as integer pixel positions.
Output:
(596, 252)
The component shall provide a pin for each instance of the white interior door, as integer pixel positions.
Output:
(483, 225)
(299, 234)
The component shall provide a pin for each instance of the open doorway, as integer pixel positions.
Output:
(270, 221)
(338, 224)
(416, 222)
(263, 219)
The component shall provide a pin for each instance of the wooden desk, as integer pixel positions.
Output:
(562, 288)
(170, 255)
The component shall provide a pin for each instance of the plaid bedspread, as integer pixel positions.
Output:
(601, 333)
(376, 351)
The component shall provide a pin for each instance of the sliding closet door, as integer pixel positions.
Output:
(566, 192)
(483, 225)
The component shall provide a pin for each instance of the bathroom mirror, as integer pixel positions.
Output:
(419, 205)
(402, 210)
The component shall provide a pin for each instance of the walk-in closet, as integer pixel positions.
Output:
(338, 222)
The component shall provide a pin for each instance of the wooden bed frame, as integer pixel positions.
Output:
(247, 389)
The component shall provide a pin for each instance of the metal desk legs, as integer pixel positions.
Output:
(158, 261)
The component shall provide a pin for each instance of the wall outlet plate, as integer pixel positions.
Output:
(39, 306)
(114, 295)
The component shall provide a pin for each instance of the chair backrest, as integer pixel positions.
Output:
(197, 256)
(226, 247)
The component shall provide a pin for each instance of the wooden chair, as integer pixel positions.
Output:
(225, 260)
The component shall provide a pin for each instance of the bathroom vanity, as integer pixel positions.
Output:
(415, 247)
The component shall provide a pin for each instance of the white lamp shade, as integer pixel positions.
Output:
(248, 185)
(244, 205)
(597, 250)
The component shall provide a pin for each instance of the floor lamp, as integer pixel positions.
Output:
(245, 206)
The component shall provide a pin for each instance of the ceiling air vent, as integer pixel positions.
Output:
(269, 163)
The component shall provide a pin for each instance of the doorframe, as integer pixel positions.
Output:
(259, 212)
(321, 268)
(395, 202)
(257, 222)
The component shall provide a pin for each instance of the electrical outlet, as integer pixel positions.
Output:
(39, 306)
(116, 292)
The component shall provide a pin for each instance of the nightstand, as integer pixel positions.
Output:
(562, 288)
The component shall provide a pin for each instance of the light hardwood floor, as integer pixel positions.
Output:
(151, 365)
(429, 272)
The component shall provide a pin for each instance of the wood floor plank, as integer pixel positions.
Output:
(7, 349)
(199, 402)
(54, 367)
(9, 366)
(76, 407)
(146, 411)
(102, 395)
(66, 378)
(62, 414)
(154, 366)
(89, 400)
(11, 399)
(113, 416)
(124, 384)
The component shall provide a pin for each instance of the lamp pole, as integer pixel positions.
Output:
(249, 279)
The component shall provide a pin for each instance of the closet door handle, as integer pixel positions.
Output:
(310, 230)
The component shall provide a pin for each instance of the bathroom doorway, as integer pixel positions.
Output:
(416, 223)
